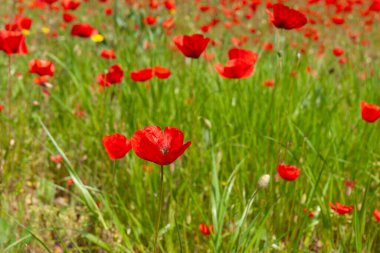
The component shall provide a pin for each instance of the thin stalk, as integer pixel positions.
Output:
(160, 208)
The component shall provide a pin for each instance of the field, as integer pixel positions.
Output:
(284, 156)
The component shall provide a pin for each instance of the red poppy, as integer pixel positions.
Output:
(67, 17)
(84, 30)
(240, 65)
(376, 214)
(170, 5)
(70, 4)
(108, 54)
(191, 46)
(1, 107)
(56, 158)
(41, 67)
(114, 75)
(161, 72)
(288, 172)
(108, 11)
(142, 75)
(12, 42)
(168, 23)
(338, 51)
(286, 18)
(340, 208)
(370, 112)
(150, 20)
(235, 69)
(206, 230)
(49, 1)
(70, 182)
(116, 145)
(162, 148)
(337, 20)
(19, 23)
(268, 83)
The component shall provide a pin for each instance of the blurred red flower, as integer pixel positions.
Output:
(67, 17)
(370, 112)
(338, 51)
(337, 20)
(240, 65)
(56, 158)
(142, 75)
(286, 18)
(191, 46)
(12, 42)
(161, 72)
(83, 30)
(19, 23)
(41, 67)
(70, 4)
(340, 208)
(206, 230)
(108, 54)
(162, 148)
(114, 75)
(116, 145)
(288, 172)
(376, 214)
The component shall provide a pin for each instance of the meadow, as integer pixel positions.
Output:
(285, 145)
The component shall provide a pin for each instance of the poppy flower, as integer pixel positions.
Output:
(376, 214)
(70, 4)
(83, 30)
(206, 230)
(162, 148)
(108, 11)
(191, 46)
(340, 208)
(49, 1)
(12, 42)
(1, 107)
(168, 23)
(108, 54)
(170, 5)
(142, 75)
(235, 69)
(116, 145)
(286, 18)
(161, 72)
(20, 23)
(67, 17)
(338, 51)
(337, 20)
(240, 65)
(70, 182)
(56, 158)
(370, 112)
(41, 67)
(150, 20)
(268, 83)
(114, 75)
(288, 172)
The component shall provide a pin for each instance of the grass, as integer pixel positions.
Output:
(240, 130)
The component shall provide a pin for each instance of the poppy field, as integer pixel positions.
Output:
(190, 126)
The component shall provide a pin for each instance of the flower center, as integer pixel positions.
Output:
(164, 150)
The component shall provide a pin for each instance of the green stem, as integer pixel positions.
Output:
(160, 208)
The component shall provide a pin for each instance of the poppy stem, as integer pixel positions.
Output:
(9, 91)
(160, 208)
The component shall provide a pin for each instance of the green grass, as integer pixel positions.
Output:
(239, 130)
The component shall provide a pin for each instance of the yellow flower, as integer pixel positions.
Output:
(97, 38)
(26, 32)
(45, 29)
